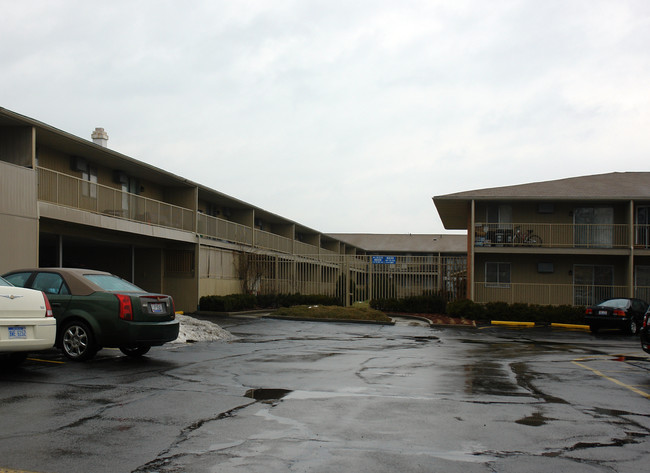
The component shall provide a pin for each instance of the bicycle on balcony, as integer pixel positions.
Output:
(525, 238)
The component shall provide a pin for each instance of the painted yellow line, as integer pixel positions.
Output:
(615, 381)
(44, 361)
(574, 326)
(502, 322)
(9, 470)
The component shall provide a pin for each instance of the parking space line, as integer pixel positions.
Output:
(614, 380)
(9, 470)
(43, 361)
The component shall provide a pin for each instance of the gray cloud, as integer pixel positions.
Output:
(344, 116)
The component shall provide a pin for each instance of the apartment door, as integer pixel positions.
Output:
(643, 226)
(129, 187)
(593, 227)
(592, 283)
(499, 228)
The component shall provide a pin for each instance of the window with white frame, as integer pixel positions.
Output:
(497, 274)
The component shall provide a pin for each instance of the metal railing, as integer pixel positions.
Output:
(271, 241)
(70, 191)
(220, 229)
(357, 277)
(305, 249)
(549, 294)
(641, 236)
(553, 235)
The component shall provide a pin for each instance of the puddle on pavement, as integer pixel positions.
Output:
(265, 394)
(536, 420)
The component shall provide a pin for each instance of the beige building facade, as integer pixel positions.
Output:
(571, 241)
(70, 202)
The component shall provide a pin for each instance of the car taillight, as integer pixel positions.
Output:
(619, 312)
(48, 307)
(588, 312)
(645, 321)
(126, 308)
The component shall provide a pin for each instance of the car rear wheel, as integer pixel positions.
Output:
(633, 327)
(78, 341)
(135, 351)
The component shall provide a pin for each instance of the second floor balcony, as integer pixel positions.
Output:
(70, 191)
(559, 235)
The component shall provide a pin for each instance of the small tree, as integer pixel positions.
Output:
(250, 269)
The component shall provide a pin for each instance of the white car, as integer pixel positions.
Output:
(26, 323)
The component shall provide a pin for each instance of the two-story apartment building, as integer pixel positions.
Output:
(68, 201)
(569, 241)
(71, 202)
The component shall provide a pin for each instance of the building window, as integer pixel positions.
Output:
(593, 227)
(499, 216)
(592, 283)
(497, 274)
(642, 282)
(89, 184)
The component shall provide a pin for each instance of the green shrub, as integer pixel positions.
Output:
(240, 302)
(426, 304)
(464, 308)
(517, 312)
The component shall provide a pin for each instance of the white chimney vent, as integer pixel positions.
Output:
(100, 137)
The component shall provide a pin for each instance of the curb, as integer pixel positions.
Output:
(431, 322)
(520, 324)
(571, 326)
(532, 324)
(213, 313)
(346, 321)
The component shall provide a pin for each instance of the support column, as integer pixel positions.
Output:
(471, 235)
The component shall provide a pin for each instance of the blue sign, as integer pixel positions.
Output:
(384, 260)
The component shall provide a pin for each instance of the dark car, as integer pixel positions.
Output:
(622, 313)
(96, 309)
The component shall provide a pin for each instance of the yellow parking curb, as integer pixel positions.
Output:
(502, 322)
(572, 326)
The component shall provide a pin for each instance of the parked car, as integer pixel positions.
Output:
(645, 332)
(623, 313)
(96, 309)
(26, 323)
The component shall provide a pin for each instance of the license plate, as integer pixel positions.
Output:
(157, 307)
(17, 332)
(602, 312)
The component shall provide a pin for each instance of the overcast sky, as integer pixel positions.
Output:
(345, 116)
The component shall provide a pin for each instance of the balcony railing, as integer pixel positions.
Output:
(304, 249)
(69, 191)
(552, 294)
(218, 228)
(553, 235)
(271, 241)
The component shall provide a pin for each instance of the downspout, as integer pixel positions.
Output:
(630, 263)
(470, 250)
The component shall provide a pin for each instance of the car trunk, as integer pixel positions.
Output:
(20, 303)
(153, 307)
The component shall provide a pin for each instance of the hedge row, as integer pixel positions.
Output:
(239, 302)
(540, 314)
(429, 304)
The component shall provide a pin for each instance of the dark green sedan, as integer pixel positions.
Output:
(95, 309)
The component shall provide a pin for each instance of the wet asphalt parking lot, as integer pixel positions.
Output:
(319, 397)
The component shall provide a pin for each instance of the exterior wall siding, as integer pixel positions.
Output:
(18, 216)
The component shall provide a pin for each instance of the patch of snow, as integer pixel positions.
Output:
(196, 330)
